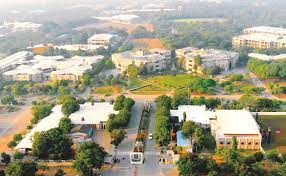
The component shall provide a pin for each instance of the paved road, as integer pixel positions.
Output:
(257, 82)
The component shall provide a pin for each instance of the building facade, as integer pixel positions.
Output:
(210, 58)
(240, 124)
(154, 60)
(103, 40)
(261, 37)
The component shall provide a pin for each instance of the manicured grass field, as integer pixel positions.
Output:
(107, 90)
(277, 123)
(171, 81)
(149, 90)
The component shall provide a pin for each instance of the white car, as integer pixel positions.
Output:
(150, 136)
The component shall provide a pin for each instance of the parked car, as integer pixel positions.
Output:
(150, 136)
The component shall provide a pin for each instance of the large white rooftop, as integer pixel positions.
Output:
(92, 114)
(49, 122)
(197, 114)
(262, 37)
(266, 29)
(14, 59)
(233, 122)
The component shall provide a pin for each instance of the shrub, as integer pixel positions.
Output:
(12, 144)
(18, 155)
(258, 156)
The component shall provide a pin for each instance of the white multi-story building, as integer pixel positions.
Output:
(44, 68)
(210, 58)
(261, 37)
(153, 60)
(103, 40)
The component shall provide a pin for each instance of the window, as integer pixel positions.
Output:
(242, 143)
(228, 143)
(256, 143)
(221, 143)
(249, 143)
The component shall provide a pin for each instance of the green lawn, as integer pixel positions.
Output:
(277, 123)
(171, 81)
(149, 90)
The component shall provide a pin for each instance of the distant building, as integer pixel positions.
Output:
(153, 60)
(211, 58)
(23, 73)
(261, 37)
(103, 40)
(14, 60)
(40, 49)
(224, 125)
(122, 18)
(85, 116)
(44, 68)
(82, 47)
(22, 26)
(267, 57)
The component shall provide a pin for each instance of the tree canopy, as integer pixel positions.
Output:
(88, 156)
(52, 144)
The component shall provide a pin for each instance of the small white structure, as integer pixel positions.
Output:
(198, 114)
(236, 123)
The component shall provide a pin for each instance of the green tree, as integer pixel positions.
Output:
(18, 155)
(65, 124)
(70, 105)
(12, 144)
(162, 130)
(5, 158)
(17, 137)
(8, 99)
(132, 71)
(188, 128)
(128, 103)
(164, 100)
(117, 136)
(119, 103)
(19, 168)
(52, 144)
(191, 165)
(198, 61)
(180, 98)
(89, 155)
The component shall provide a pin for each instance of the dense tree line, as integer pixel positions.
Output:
(163, 123)
(265, 69)
(120, 120)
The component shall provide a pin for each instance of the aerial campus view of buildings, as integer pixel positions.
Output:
(149, 125)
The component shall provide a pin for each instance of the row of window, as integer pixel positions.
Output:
(242, 143)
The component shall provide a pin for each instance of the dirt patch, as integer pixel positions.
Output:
(18, 122)
(103, 139)
(150, 43)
